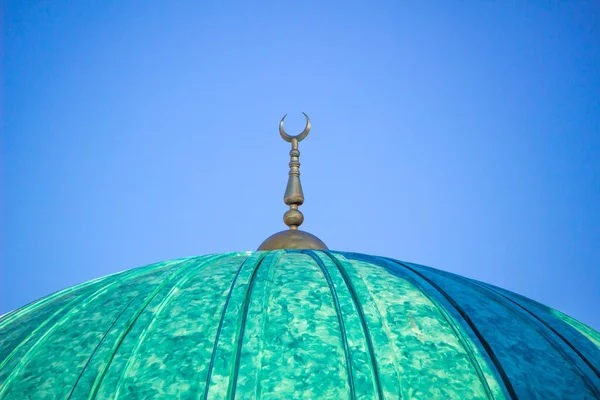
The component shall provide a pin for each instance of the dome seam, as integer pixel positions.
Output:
(361, 316)
(220, 327)
(242, 329)
(338, 311)
(503, 376)
(133, 319)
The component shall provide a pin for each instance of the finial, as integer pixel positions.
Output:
(293, 197)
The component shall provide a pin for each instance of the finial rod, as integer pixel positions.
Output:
(294, 196)
(293, 238)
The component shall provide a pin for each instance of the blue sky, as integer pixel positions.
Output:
(459, 135)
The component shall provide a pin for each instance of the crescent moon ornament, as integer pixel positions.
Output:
(298, 137)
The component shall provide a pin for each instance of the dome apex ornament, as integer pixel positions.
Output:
(293, 197)
(299, 137)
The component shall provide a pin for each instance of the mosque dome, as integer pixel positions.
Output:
(284, 324)
(294, 320)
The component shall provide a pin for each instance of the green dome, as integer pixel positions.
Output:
(294, 324)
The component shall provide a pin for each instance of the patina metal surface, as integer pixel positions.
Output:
(294, 198)
(293, 324)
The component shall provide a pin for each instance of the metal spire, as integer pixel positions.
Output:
(293, 197)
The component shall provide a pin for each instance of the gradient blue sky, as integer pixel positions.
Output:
(459, 135)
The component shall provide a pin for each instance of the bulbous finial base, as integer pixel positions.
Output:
(293, 239)
(293, 218)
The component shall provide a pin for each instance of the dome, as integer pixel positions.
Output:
(286, 324)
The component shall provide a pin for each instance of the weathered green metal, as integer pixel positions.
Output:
(294, 324)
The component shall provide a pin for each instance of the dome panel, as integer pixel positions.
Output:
(300, 346)
(60, 349)
(580, 338)
(20, 325)
(171, 343)
(289, 324)
(427, 343)
(529, 353)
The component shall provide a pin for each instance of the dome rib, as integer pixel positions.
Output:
(547, 325)
(540, 327)
(585, 339)
(390, 376)
(458, 331)
(225, 357)
(86, 298)
(590, 336)
(242, 327)
(184, 273)
(525, 351)
(361, 316)
(257, 324)
(556, 340)
(28, 308)
(490, 352)
(413, 279)
(96, 349)
(220, 327)
(340, 319)
(33, 333)
(188, 265)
